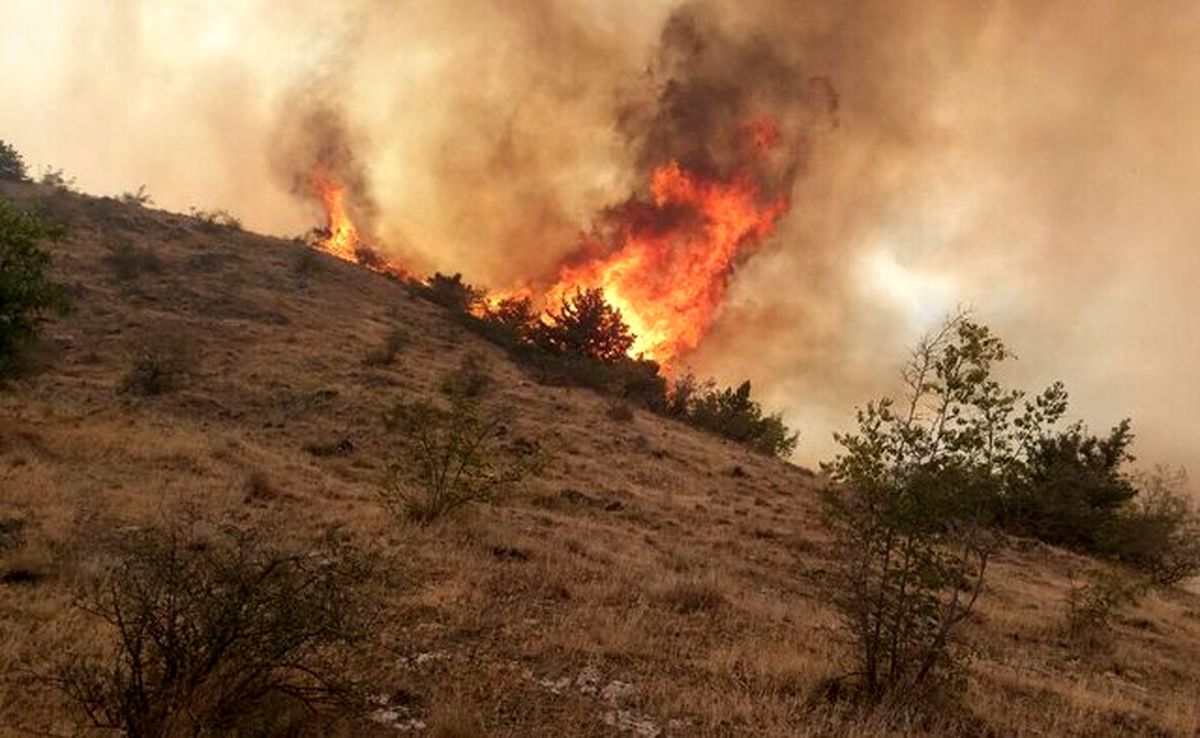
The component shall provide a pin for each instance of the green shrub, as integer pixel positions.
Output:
(12, 164)
(1069, 485)
(215, 635)
(1157, 532)
(908, 513)
(27, 296)
(732, 414)
(449, 457)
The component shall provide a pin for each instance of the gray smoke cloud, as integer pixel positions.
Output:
(1033, 159)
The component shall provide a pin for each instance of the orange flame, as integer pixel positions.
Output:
(668, 270)
(341, 236)
(342, 240)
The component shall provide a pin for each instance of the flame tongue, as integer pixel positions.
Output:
(669, 259)
(342, 240)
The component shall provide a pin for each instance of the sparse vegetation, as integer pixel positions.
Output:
(220, 634)
(139, 197)
(12, 164)
(450, 456)
(129, 262)
(162, 362)
(215, 221)
(1091, 607)
(306, 264)
(383, 355)
(472, 379)
(58, 180)
(27, 294)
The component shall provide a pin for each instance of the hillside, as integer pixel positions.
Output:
(651, 580)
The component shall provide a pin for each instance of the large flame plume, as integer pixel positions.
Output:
(668, 259)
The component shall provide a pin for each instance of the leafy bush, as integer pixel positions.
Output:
(129, 262)
(587, 326)
(161, 363)
(908, 512)
(214, 635)
(1158, 531)
(450, 456)
(12, 164)
(1068, 486)
(732, 414)
(396, 339)
(27, 296)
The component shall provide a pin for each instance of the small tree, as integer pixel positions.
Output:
(587, 325)
(27, 296)
(913, 489)
(12, 164)
(451, 456)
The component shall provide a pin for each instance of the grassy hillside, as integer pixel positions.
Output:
(650, 580)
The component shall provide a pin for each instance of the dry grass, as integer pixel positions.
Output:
(651, 578)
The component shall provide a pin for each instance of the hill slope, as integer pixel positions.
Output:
(652, 580)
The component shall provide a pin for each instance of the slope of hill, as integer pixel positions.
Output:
(652, 580)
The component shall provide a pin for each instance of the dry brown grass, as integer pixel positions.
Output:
(650, 577)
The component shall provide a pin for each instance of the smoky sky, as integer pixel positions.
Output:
(1034, 160)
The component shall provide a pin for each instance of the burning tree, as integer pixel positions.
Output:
(587, 325)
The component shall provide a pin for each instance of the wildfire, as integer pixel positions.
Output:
(342, 239)
(667, 266)
(663, 260)
(341, 236)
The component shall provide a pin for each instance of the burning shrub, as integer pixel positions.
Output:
(586, 325)
(161, 363)
(450, 292)
(734, 415)
(214, 635)
(451, 457)
(27, 295)
(12, 164)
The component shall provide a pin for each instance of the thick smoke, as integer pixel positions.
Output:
(315, 140)
(1032, 158)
